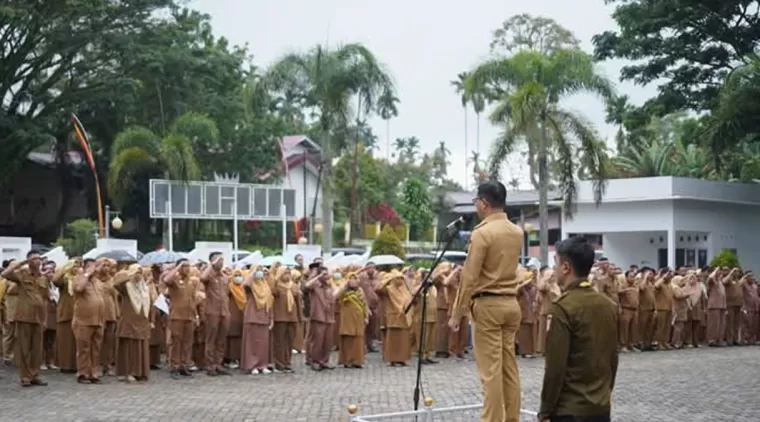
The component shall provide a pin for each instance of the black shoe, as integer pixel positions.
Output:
(431, 361)
(38, 382)
(223, 372)
(175, 374)
(83, 379)
(94, 380)
(212, 373)
(185, 373)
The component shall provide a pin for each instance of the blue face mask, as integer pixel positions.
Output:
(238, 279)
(258, 275)
(337, 276)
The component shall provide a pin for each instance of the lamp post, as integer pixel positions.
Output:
(116, 223)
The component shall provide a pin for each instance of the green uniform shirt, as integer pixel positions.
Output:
(581, 354)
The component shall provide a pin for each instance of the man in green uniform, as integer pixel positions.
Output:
(581, 345)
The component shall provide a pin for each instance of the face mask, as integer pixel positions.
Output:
(258, 275)
(238, 280)
(336, 276)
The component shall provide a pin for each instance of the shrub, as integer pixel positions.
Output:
(78, 237)
(725, 258)
(387, 243)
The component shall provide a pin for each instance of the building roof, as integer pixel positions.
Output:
(669, 188)
(291, 142)
(462, 201)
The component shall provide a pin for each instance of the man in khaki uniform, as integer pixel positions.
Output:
(30, 315)
(580, 370)
(488, 290)
(9, 311)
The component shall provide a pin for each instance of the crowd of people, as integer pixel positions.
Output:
(100, 317)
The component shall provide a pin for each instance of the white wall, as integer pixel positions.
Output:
(297, 182)
(640, 249)
(624, 249)
(730, 227)
(620, 217)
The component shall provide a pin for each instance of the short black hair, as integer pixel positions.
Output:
(87, 261)
(578, 253)
(493, 193)
(32, 252)
(212, 255)
(181, 260)
(6, 263)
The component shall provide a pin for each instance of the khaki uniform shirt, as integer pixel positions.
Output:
(491, 264)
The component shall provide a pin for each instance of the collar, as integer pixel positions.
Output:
(579, 284)
(492, 217)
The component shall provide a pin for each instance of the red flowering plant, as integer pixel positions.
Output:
(383, 213)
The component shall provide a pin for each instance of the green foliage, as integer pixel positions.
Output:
(416, 208)
(78, 237)
(422, 263)
(725, 258)
(328, 82)
(371, 186)
(667, 39)
(530, 113)
(387, 243)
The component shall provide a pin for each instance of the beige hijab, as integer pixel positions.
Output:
(137, 289)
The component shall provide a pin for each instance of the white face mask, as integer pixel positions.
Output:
(238, 279)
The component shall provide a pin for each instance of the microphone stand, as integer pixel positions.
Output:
(422, 293)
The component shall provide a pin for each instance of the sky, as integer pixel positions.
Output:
(424, 44)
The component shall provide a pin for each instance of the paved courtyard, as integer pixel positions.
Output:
(704, 385)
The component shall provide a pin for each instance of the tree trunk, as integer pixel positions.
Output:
(353, 217)
(543, 193)
(477, 135)
(466, 151)
(327, 200)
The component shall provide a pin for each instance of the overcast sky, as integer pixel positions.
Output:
(425, 44)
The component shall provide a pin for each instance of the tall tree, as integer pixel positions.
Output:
(386, 108)
(534, 33)
(458, 85)
(416, 208)
(536, 83)
(138, 155)
(734, 120)
(518, 33)
(687, 47)
(53, 56)
(327, 81)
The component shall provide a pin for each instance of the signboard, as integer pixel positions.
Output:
(220, 201)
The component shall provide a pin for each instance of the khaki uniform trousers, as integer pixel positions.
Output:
(496, 320)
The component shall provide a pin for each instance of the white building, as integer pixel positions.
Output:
(670, 221)
(302, 156)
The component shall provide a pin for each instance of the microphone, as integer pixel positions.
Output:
(457, 224)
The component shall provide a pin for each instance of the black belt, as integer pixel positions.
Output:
(489, 294)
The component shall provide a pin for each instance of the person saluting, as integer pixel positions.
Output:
(581, 345)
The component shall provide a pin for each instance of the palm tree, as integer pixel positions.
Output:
(534, 84)
(734, 123)
(459, 86)
(411, 149)
(138, 154)
(329, 81)
(386, 107)
(440, 162)
(663, 157)
(399, 145)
